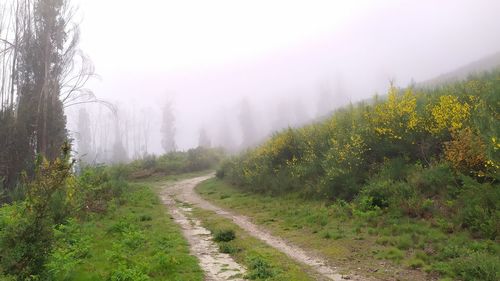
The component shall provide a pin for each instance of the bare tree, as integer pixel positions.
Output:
(119, 154)
(146, 129)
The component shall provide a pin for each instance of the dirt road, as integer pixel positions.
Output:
(217, 266)
(183, 191)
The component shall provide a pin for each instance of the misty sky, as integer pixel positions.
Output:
(207, 55)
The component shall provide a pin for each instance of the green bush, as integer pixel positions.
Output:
(96, 187)
(225, 235)
(480, 209)
(433, 180)
(71, 247)
(477, 266)
(27, 235)
(259, 269)
(395, 169)
(382, 193)
(132, 238)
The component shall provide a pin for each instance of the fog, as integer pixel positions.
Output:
(239, 70)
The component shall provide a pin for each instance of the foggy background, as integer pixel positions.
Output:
(262, 64)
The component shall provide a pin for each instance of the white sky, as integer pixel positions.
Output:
(179, 35)
(210, 54)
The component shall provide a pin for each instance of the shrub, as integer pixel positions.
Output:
(478, 266)
(228, 248)
(225, 235)
(219, 173)
(202, 158)
(145, 218)
(96, 187)
(196, 159)
(480, 209)
(466, 152)
(382, 193)
(71, 247)
(259, 269)
(26, 237)
(149, 162)
(119, 172)
(395, 169)
(433, 180)
(132, 238)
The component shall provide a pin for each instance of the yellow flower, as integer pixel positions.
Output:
(449, 114)
(397, 115)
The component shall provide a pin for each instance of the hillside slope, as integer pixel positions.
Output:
(488, 63)
(430, 155)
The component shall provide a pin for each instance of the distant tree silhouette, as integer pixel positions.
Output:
(247, 124)
(168, 128)
(204, 140)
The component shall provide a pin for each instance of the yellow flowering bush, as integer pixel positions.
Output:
(396, 116)
(349, 154)
(457, 123)
(448, 114)
(466, 152)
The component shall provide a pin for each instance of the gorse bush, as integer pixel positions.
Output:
(424, 153)
(26, 228)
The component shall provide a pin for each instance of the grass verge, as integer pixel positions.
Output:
(262, 261)
(376, 245)
(136, 240)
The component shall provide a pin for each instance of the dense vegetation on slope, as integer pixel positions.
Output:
(426, 154)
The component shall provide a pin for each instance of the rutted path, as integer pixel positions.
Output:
(184, 192)
(217, 266)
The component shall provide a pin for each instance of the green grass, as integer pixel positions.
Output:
(262, 261)
(137, 240)
(371, 243)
